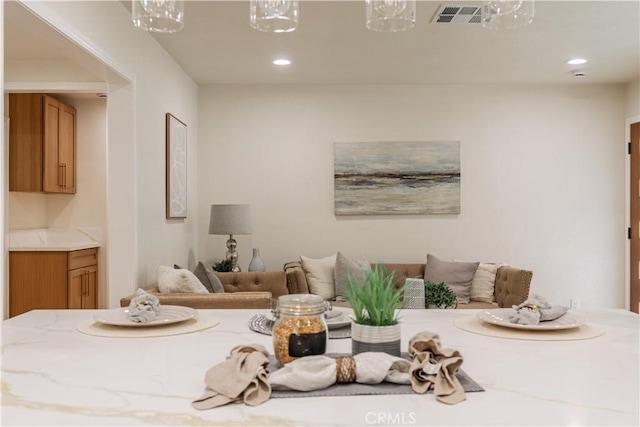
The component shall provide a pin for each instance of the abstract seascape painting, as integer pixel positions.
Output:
(397, 178)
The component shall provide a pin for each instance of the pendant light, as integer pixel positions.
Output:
(390, 15)
(507, 14)
(273, 16)
(160, 16)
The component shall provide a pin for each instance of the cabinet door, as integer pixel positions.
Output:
(67, 148)
(76, 288)
(83, 288)
(37, 280)
(25, 142)
(91, 296)
(52, 166)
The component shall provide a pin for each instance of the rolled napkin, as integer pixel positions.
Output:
(434, 367)
(318, 372)
(242, 377)
(536, 309)
(331, 314)
(143, 308)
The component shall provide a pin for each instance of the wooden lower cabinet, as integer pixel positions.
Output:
(83, 288)
(52, 280)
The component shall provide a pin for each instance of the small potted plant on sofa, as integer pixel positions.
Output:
(439, 295)
(223, 266)
(375, 301)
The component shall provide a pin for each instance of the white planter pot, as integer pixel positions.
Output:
(384, 339)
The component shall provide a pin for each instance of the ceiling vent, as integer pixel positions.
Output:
(457, 14)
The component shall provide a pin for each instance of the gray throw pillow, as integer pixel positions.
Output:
(457, 275)
(343, 269)
(208, 278)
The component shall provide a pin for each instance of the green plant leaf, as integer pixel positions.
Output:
(374, 302)
(223, 266)
(439, 294)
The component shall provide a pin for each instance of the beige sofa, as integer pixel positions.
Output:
(253, 290)
(511, 288)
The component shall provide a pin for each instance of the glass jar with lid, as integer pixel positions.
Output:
(300, 328)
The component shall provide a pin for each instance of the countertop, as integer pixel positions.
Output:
(54, 239)
(54, 375)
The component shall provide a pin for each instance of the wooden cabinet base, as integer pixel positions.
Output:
(52, 280)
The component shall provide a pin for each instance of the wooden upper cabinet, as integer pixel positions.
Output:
(42, 144)
(25, 142)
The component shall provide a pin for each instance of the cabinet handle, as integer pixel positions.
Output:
(60, 175)
(64, 175)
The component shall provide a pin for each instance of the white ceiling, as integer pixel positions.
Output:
(332, 46)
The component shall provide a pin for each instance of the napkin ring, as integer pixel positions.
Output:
(532, 307)
(345, 369)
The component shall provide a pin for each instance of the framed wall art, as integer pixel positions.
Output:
(176, 177)
(397, 178)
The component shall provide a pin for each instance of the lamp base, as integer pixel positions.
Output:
(232, 254)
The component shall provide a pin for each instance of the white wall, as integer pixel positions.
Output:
(542, 179)
(138, 236)
(633, 99)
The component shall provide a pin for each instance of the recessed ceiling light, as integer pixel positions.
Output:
(577, 61)
(281, 62)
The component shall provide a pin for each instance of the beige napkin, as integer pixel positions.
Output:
(318, 372)
(242, 377)
(435, 367)
(536, 309)
(143, 308)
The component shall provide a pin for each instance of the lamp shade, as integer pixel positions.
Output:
(159, 16)
(507, 14)
(273, 16)
(230, 219)
(390, 15)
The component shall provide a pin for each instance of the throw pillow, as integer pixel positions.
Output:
(343, 269)
(171, 280)
(484, 282)
(208, 278)
(319, 274)
(457, 275)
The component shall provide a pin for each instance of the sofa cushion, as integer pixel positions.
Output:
(171, 280)
(235, 300)
(477, 305)
(344, 269)
(208, 278)
(319, 274)
(457, 275)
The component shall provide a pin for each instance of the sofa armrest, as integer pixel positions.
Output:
(296, 280)
(252, 300)
(512, 286)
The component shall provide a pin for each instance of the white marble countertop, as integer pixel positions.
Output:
(54, 239)
(54, 375)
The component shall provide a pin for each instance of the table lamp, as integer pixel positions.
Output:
(230, 219)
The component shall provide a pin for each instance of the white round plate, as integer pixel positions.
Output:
(166, 315)
(335, 319)
(500, 317)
